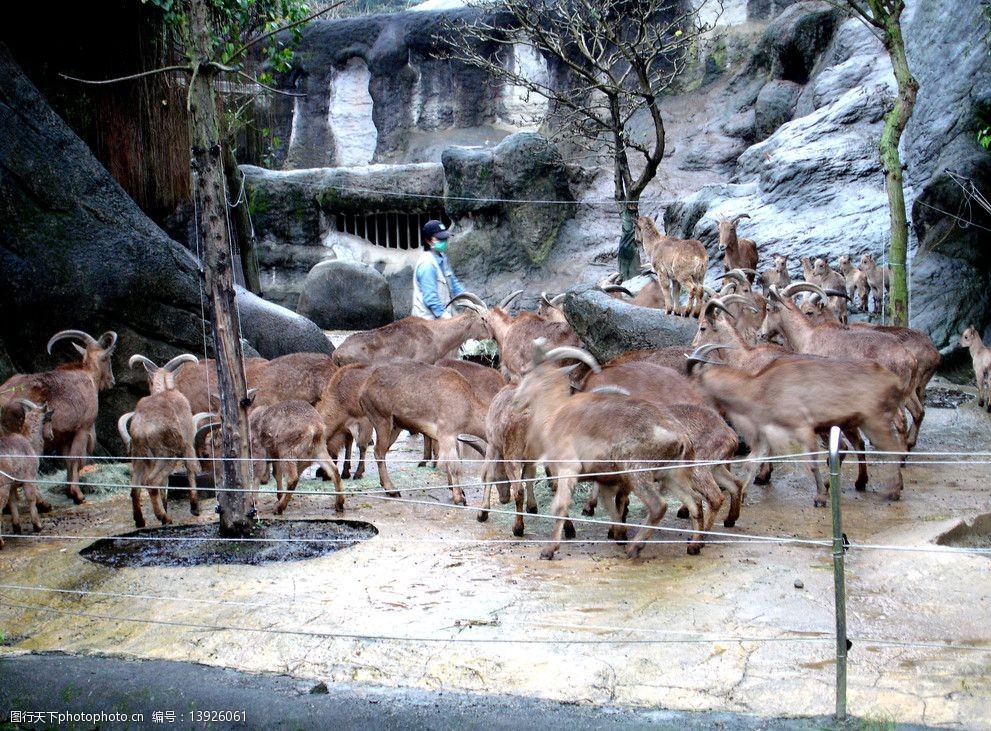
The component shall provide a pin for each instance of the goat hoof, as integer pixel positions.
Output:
(421, 464)
(633, 551)
(339, 508)
(279, 511)
(683, 512)
(547, 554)
(78, 500)
(533, 510)
(728, 523)
(392, 493)
(17, 529)
(569, 531)
(139, 523)
(37, 528)
(860, 485)
(194, 509)
(894, 496)
(358, 475)
(819, 503)
(694, 549)
(483, 515)
(762, 480)
(43, 507)
(585, 511)
(345, 474)
(518, 532)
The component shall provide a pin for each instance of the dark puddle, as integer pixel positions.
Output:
(946, 398)
(201, 544)
(975, 534)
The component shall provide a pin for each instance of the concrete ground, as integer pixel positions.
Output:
(438, 602)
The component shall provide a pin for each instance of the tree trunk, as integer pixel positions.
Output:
(243, 232)
(627, 253)
(894, 124)
(218, 277)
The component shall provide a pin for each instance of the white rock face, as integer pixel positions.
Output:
(350, 116)
(520, 109)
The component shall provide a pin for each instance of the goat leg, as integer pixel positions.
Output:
(559, 507)
(74, 456)
(15, 517)
(448, 455)
(326, 462)
(592, 502)
(156, 504)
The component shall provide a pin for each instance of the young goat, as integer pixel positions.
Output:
(159, 435)
(291, 435)
(879, 279)
(980, 355)
(19, 454)
(71, 391)
(737, 253)
(856, 281)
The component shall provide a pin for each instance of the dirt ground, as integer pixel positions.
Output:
(440, 601)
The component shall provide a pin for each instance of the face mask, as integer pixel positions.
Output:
(440, 246)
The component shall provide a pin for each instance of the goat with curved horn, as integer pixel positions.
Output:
(68, 335)
(739, 216)
(504, 302)
(467, 297)
(610, 288)
(794, 288)
(718, 303)
(699, 355)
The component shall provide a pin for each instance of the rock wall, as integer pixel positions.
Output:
(77, 253)
(798, 138)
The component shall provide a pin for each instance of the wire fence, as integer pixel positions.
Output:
(27, 601)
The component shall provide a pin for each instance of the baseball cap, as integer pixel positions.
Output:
(435, 229)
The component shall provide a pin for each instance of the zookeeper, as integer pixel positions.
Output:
(434, 283)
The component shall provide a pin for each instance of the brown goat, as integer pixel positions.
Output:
(19, 455)
(343, 417)
(980, 356)
(291, 435)
(786, 405)
(778, 276)
(436, 402)
(159, 435)
(198, 381)
(607, 433)
(71, 391)
(426, 341)
(296, 376)
(737, 253)
(679, 263)
(878, 279)
(857, 285)
(831, 340)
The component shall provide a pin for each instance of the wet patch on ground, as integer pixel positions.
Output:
(974, 533)
(946, 398)
(200, 544)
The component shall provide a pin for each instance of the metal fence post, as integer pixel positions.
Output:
(838, 579)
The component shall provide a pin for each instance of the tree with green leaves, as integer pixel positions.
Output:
(883, 17)
(618, 58)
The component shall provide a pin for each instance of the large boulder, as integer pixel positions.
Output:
(77, 253)
(341, 295)
(609, 326)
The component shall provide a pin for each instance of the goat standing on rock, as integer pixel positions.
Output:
(737, 253)
(19, 454)
(679, 263)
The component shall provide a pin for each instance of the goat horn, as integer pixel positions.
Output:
(175, 363)
(479, 445)
(30, 405)
(735, 274)
(203, 430)
(739, 299)
(715, 303)
(545, 299)
(796, 287)
(67, 334)
(468, 296)
(709, 291)
(122, 423)
(569, 351)
(610, 389)
(616, 288)
(736, 218)
(146, 362)
(202, 415)
(837, 293)
(557, 299)
(504, 303)
(112, 341)
(703, 350)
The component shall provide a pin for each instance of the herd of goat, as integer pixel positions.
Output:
(652, 423)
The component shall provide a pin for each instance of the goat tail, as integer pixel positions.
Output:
(122, 424)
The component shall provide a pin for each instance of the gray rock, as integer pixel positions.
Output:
(764, 9)
(470, 177)
(340, 295)
(608, 326)
(275, 331)
(77, 253)
(775, 106)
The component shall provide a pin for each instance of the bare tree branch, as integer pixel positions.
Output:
(289, 26)
(153, 72)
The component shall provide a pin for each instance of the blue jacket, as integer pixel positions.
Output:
(427, 281)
